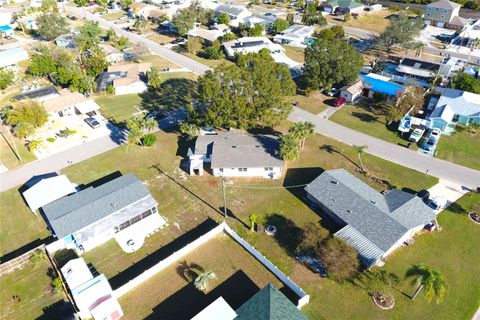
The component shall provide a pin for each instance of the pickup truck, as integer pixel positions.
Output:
(416, 135)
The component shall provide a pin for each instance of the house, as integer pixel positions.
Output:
(450, 66)
(352, 92)
(444, 14)
(66, 41)
(296, 35)
(237, 14)
(373, 223)
(40, 94)
(93, 296)
(125, 78)
(5, 16)
(47, 190)
(454, 106)
(6, 31)
(237, 155)
(418, 69)
(341, 7)
(122, 208)
(64, 104)
(208, 36)
(265, 20)
(267, 304)
(147, 11)
(377, 84)
(463, 42)
(112, 54)
(250, 45)
(11, 57)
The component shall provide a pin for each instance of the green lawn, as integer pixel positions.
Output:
(19, 226)
(370, 121)
(297, 54)
(114, 15)
(463, 147)
(207, 62)
(7, 155)
(159, 62)
(119, 108)
(314, 103)
(32, 287)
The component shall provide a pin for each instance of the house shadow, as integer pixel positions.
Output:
(365, 117)
(111, 176)
(60, 310)
(26, 248)
(155, 257)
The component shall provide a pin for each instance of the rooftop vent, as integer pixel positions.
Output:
(374, 202)
(334, 181)
(349, 211)
(257, 146)
(234, 146)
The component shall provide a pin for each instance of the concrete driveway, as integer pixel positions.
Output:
(450, 191)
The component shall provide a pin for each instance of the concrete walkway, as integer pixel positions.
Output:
(435, 167)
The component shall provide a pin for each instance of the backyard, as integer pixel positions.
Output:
(461, 148)
(296, 54)
(119, 108)
(376, 21)
(315, 102)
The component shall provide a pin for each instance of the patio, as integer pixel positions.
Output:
(132, 238)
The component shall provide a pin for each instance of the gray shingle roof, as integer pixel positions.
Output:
(380, 219)
(230, 10)
(269, 304)
(240, 150)
(444, 4)
(72, 213)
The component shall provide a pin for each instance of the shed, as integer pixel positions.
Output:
(48, 190)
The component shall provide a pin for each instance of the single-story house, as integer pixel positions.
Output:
(374, 83)
(11, 57)
(147, 11)
(66, 41)
(265, 20)
(237, 14)
(444, 14)
(267, 304)
(417, 69)
(373, 223)
(65, 103)
(250, 44)
(40, 94)
(450, 66)
(47, 190)
(122, 208)
(296, 35)
(454, 106)
(208, 36)
(237, 155)
(93, 296)
(351, 92)
(6, 31)
(112, 54)
(125, 78)
(341, 7)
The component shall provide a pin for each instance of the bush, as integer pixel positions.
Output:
(339, 259)
(110, 89)
(57, 285)
(52, 140)
(229, 37)
(394, 8)
(378, 96)
(212, 53)
(149, 140)
(65, 133)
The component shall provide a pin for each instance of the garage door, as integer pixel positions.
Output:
(441, 24)
(427, 22)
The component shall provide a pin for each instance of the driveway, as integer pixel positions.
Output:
(192, 65)
(447, 190)
(435, 167)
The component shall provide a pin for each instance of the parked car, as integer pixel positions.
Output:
(92, 122)
(207, 131)
(430, 144)
(332, 93)
(436, 133)
(178, 41)
(423, 194)
(339, 102)
(71, 17)
(416, 135)
(437, 204)
(313, 264)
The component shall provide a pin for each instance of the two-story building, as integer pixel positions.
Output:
(444, 14)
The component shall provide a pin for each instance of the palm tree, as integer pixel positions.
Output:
(34, 144)
(360, 151)
(201, 281)
(301, 130)
(190, 129)
(149, 124)
(393, 115)
(289, 147)
(419, 48)
(432, 280)
(139, 23)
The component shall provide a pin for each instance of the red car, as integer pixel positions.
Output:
(339, 102)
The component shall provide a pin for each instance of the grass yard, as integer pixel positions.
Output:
(7, 155)
(370, 121)
(159, 62)
(239, 276)
(114, 15)
(19, 226)
(376, 21)
(32, 287)
(207, 62)
(297, 54)
(160, 38)
(461, 148)
(119, 108)
(314, 103)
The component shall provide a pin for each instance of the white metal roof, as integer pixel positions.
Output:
(76, 273)
(217, 310)
(368, 251)
(48, 190)
(87, 106)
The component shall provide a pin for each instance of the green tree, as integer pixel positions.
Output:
(34, 144)
(347, 17)
(89, 35)
(331, 62)
(380, 286)
(339, 259)
(290, 18)
(223, 18)
(183, 21)
(393, 114)
(82, 83)
(430, 279)
(125, 3)
(419, 46)
(203, 279)
(313, 16)
(26, 117)
(302, 130)
(189, 129)
(149, 124)
(257, 30)
(49, 6)
(252, 218)
(412, 98)
(81, 3)
(38, 256)
(401, 32)
(139, 24)
(212, 53)
(51, 25)
(6, 78)
(463, 81)
(338, 31)
(279, 25)
(135, 132)
(95, 62)
(289, 149)
(193, 45)
(360, 151)
(149, 140)
(154, 77)
(229, 37)
(111, 35)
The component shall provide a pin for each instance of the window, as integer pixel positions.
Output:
(242, 169)
(148, 213)
(455, 118)
(437, 9)
(136, 219)
(268, 168)
(429, 9)
(446, 10)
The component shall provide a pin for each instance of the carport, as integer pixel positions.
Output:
(87, 106)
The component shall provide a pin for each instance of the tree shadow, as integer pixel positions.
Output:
(172, 94)
(332, 149)
(58, 310)
(365, 117)
(189, 271)
(288, 235)
(456, 208)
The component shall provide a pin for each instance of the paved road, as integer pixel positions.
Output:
(192, 65)
(438, 168)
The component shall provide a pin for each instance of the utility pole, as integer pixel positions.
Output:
(224, 201)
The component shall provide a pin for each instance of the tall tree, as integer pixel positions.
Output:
(154, 78)
(51, 25)
(26, 117)
(257, 30)
(89, 35)
(401, 32)
(313, 16)
(183, 21)
(331, 62)
(223, 18)
(49, 6)
(463, 81)
(360, 151)
(419, 46)
(301, 130)
(430, 279)
(289, 149)
(279, 25)
(339, 259)
(411, 98)
(95, 62)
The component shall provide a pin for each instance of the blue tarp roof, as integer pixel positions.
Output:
(5, 28)
(382, 86)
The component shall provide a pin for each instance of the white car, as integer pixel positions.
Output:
(416, 135)
(436, 133)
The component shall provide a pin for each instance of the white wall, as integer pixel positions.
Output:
(251, 172)
(409, 234)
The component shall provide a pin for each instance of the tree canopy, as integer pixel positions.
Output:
(257, 30)
(51, 25)
(89, 35)
(249, 94)
(402, 32)
(331, 62)
(6, 78)
(339, 259)
(26, 117)
(313, 16)
(185, 19)
(279, 25)
(223, 18)
(463, 81)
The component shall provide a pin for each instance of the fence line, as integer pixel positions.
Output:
(18, 262)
